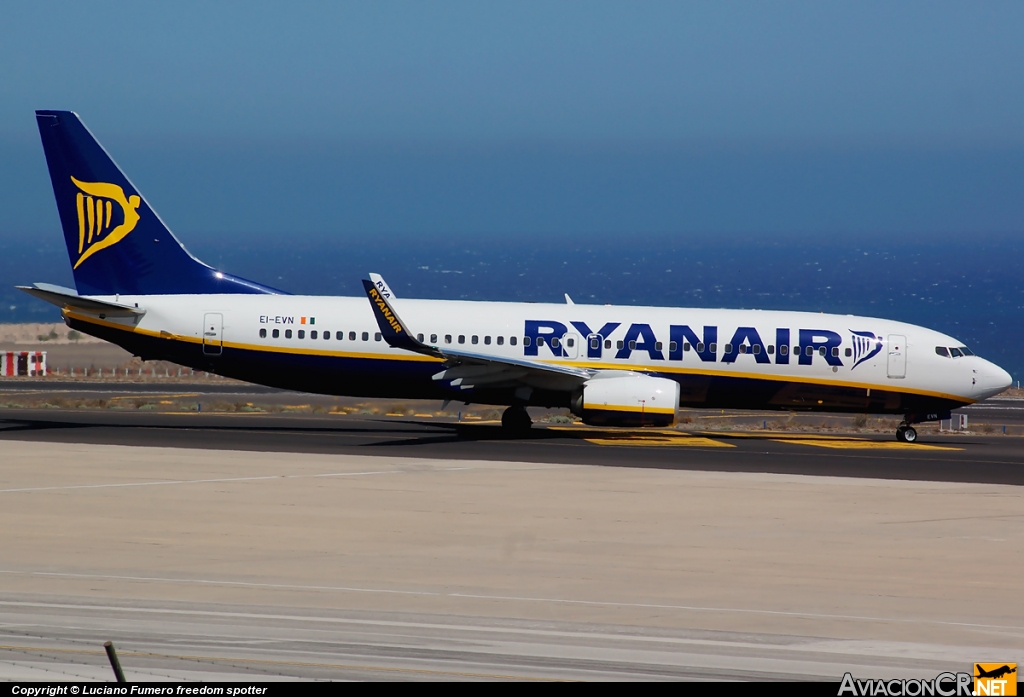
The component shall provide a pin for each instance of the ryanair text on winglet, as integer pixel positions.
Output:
(385, 310)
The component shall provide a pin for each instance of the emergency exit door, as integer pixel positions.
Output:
(213, 333)
(897, 356)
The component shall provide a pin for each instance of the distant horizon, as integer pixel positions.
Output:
(971, 290)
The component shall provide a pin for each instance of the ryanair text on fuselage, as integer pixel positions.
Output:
(547, 336)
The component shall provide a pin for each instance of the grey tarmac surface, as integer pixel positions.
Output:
(253, 547)
(204, 563)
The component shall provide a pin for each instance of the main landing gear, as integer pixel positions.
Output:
(905, 433)
(516, 420)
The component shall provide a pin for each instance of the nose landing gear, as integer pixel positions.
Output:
(905, 433)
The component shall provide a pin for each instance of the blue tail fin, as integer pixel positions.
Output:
(117, 243)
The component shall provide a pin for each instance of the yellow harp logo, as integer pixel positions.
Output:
(97, 219)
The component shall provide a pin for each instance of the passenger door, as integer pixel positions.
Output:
(213, 333)
(897, 346)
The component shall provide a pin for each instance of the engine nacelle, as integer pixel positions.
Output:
(627, 399)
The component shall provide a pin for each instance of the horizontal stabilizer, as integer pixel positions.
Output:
(65, 298)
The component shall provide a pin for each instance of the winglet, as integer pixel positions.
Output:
(392, 329)
(382, 286)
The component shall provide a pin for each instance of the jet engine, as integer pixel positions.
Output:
(627, 399)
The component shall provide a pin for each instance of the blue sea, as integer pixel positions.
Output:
(970, 289)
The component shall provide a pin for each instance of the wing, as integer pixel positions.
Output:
(465, 369)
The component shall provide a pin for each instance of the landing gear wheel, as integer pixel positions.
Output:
(516, 419)
(906, 434)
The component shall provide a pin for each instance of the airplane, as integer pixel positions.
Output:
(136, 286)
(996, 672)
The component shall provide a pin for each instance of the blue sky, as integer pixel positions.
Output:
(411, 119)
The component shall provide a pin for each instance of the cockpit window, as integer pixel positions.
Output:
(966, 351)
(942, 351)
(957, 353)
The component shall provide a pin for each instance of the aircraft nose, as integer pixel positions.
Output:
(992, 379)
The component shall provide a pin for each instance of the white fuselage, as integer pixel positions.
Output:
(775, 348)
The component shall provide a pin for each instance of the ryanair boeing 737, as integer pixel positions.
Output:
(139, 288)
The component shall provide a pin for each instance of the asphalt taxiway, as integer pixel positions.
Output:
(947, 457)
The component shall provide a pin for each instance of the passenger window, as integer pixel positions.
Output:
(657, 345)
(672, 346)
(554, 342)
(784, 350)
(540, 340)
(810, 350)
(366, 336)
(618, 344)
(743, 348)
(501, 341)
(327, 335)
(713, 348)
(700, 348)
(849, 352)
(822, 351)
(462, 338)
(607, 343)
(277, 333)
(771, 349)
(351, 336)
(487, 341)
(966, 351)
(570, 342)
(526, 341)
(957, 353)
(447, 338)
(755, 349)
(313, 334)
(376, 336)
(632, 345)
(686, 346)
(835, 352)
(512, 341)
(287, 333)
(728, 348)
(302, 333)
(475, 339)
(419, 337)
(433, 338)
(263, 333)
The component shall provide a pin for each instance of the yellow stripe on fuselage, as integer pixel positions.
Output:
(250, 347)
(408, 356)
(630, 409)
